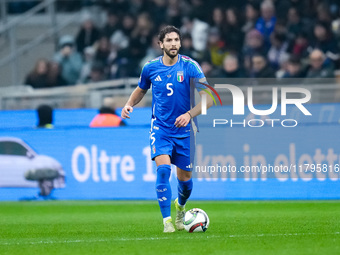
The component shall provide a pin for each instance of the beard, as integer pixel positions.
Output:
(171, 55)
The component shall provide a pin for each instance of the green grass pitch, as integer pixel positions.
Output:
(135, 227)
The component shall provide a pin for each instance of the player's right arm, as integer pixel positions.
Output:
(134, 99)
(137, 95)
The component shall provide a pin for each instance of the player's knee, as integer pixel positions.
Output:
(185, 185)
(163, 173)
(184, 175)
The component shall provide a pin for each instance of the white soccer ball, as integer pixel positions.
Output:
(196, 220)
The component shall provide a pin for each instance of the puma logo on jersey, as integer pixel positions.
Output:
(158, 78)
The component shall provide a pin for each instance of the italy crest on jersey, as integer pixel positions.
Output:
(180, 76)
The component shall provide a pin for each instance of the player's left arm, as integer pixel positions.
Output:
(184, 119)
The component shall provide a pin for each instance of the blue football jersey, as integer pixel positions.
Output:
(171, 91)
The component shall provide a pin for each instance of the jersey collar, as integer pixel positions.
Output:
(179, 59)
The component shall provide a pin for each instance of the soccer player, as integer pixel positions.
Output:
(170, 77)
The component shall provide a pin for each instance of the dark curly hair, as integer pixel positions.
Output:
(167, 30)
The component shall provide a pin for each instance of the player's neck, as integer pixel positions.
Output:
(169, 61)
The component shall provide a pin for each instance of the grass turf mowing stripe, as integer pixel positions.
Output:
(191, 237)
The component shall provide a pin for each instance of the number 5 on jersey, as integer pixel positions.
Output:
(168, 86)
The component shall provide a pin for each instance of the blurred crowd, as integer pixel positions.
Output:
(230, 39)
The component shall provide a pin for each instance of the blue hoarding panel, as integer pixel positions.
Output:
(114, 163)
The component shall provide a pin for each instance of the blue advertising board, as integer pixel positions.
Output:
(114, 163)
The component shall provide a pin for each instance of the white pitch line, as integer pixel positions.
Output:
(163, 238)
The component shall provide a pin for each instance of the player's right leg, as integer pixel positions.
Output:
(181, 158)
(163, 190)
(161, 151)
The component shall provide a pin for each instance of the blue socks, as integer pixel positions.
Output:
(184, 191)
(163, 189)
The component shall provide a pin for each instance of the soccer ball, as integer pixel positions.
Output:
(196, 220)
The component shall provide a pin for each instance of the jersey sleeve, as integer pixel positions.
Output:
(197, 75)
(196, 70)
(144, 80)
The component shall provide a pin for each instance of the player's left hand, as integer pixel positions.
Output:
(182, 120)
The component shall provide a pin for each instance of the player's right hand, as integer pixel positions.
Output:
(126, 111)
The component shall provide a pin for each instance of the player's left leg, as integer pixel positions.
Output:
(184, 190)
(185, 185)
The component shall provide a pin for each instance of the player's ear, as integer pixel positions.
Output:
(160, 44)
